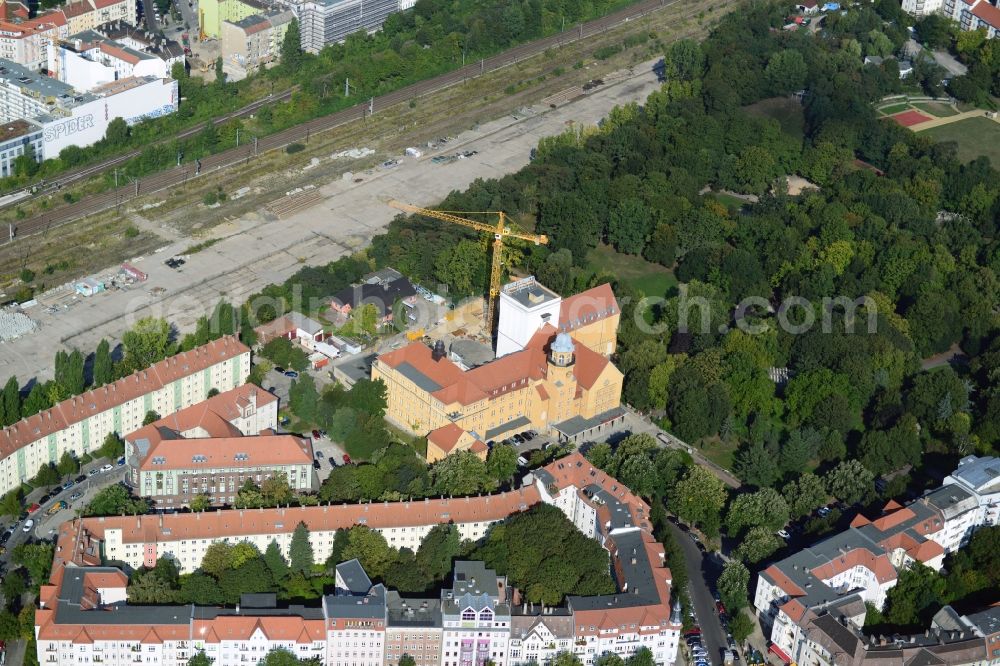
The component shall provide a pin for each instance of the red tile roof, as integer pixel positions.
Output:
(586, 307)
(267, 450)
(859, 557)
(988, 13)
(446, 437)
(95, 401)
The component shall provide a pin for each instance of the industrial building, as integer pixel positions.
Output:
(69, 117)
(212, 448)
(324, 22)
(80, 424)
(84, 614)
(553, 375)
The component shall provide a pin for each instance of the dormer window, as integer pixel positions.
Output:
(468, 615)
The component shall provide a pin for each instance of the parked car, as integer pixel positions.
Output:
(315, 464)
(121, 461)
(44, 499)
(68, 485)
(34, 507)
(319, 454)
(28, 524)
(693, 632)
(75, 496)
(291, 373)
(347, 459)
(315, 434)
(784, 534)
(280, 370)
(57, 507)
(527, 436)
(107, 467)
(94, 472)
(823, 511)
(272, 389)
(333, 463)
(518, 439)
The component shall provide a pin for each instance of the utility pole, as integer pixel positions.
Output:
(10, 227)
(255, 146)
(371, 107)
(482, 66)
(237, 137)
(347, 87)
(116, 179)
(307, 134)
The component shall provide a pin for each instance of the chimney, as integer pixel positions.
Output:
(438, 352)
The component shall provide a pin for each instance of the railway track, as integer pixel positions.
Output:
(243, 154)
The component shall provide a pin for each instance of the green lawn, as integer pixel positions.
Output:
(719, 452)
(974, 136)
(895, 108)
(649, 278)
(936, 109)
(728, 200)
(786, 110)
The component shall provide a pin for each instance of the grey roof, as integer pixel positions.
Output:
(70, 611)
(381, 276)
(413, 613)
(578, 424)
(515, 426)
(634, 573)
(420, 379)
(356, 367)
(212, 612)
(471, 352)
(987, 621)
(560, 623)
(837, 632)
(259, 600)
(250, 21)
(353, 575)
(474, 586)
(530, 293)
(371, 605)
(952, 500)
(979, 474)
(308, 325)
(35, 84)
(380, 294)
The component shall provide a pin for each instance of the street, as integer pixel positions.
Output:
(702, 567)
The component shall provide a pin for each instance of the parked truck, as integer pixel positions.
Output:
(57, 507)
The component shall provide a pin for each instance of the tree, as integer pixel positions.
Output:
(200, 503)
(26, 164)
(698, 498)
(201, 589)
(734, 585)
(628, 226)
(461, 473)
(291, 47)
(47, 475)
(641, 657)
(67, 464)
(275, 490)
(919, 592)
(758, 544)
(37, 401)
(112, 448)
(200, 659)
(275, 561)
(217, 559)
(103, 365)
(764, 508)
(501, 462)
(145, 343)
(150, 417)
(303, 398)
(437, 551)
(849, 481)
(300, 551)
(10, 627)
(754, 465)
(804, 495)
(10, 505)
(370, 549)
(117, 134)
(114, 501)
(786, 71)
(36, 559)
(407, 660)
(11, 401)
(220, 73)
(740, 626)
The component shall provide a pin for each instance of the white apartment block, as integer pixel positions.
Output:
(80, 424)
(969, 14)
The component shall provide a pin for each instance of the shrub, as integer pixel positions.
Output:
(606, 52)
(27, 275)
(210, 198)
(131, 231)
(293, 148)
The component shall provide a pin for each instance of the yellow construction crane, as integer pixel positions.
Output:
(500, 230)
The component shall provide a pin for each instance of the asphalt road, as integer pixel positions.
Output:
(301, 133)
(702, 567)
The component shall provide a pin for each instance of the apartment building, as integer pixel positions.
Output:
(211, 14)
(834, 578)
(18, 137)
(969, 14)
(80, 424)
(253, 42)
(364, 624)
(475, 616)
(324, 22)
(212, 448)
(556, 383)
(88, 59)
(413, 628)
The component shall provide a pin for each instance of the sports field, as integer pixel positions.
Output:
(975, 137)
